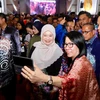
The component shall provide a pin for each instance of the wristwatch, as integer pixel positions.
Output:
(50, 81)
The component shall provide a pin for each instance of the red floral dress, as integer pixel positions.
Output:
(80, 83)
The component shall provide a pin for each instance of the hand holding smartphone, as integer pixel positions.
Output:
(20, 62)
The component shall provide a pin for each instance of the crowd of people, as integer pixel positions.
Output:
(65, 51)
(47, 8)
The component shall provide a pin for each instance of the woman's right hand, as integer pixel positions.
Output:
(34, 76)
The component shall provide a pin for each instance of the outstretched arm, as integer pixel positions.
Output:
(38, 76)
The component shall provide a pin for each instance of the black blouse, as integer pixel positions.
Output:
(54, 68)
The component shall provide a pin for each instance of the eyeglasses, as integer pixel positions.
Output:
(86, 32)
(70, 45)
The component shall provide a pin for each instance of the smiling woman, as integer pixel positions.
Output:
(46, 51)
(79, 81)
(48, 56)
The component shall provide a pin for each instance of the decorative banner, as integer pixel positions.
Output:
(88, 5)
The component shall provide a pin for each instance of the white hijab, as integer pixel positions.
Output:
(44, 55)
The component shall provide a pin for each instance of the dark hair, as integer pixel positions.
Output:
(72, 13)
(77, 38)
(85, 12)
(29, 25)
(61, 16)
(22, 31)
(69, 20)
(2, 15)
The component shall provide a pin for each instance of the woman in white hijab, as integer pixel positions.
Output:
(47, 55)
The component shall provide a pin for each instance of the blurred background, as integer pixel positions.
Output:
(45, 6)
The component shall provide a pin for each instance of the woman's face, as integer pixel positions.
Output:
(19, 26)
(48, 38)
(29, 30)
(35, 31)
(70, 48)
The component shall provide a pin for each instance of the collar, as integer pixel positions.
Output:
(91, 40)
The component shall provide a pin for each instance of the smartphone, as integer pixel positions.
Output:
(20, 62)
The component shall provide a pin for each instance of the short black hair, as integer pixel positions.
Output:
(29, 25)
(77, 38)
(2, 15)
(85, 12)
